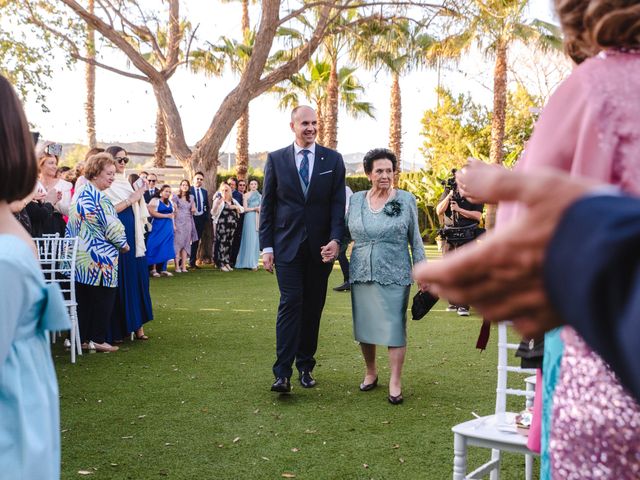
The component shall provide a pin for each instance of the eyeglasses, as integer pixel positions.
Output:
(151, 181)
(121, 160)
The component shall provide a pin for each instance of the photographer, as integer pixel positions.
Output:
(461, 220)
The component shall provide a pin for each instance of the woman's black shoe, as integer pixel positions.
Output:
(397, 400)
(365, 387)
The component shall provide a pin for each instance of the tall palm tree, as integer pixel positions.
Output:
(314, 88)
(90, 78)
(493, 26)
(396, 47)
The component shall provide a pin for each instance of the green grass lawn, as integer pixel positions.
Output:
(194, 401)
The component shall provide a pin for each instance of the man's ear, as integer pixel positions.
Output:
(291, 126)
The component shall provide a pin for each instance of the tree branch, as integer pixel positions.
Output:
(173, 42)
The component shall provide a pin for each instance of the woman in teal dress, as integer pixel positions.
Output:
(29, 409)
(249, 253)
(383, 224)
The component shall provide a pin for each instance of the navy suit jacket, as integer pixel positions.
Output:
(592, 274)
(205, 198)
(287, 216)
(147, 195)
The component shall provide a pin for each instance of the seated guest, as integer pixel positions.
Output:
(185, 227)
(160, 241)
(29, 405)
(382, 222)
(48, 155)
(101, 235)
(225, 213)
(133, 303)
(249, 253)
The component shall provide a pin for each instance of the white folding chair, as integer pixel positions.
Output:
(58, 263)
(497, 431)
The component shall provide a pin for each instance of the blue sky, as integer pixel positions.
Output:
(126, 107)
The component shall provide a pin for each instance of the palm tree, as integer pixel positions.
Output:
(493, 26)
(396, 47)
(90, 78)
(314, 88)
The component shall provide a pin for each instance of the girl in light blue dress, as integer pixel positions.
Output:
(249, 253)
(29, 409)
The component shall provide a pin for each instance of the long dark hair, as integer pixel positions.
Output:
(114, 149)
(159, 191)
(187, 195)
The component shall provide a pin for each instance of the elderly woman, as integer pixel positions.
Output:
(48, 155)
(29, 409)
(382, 222)
(101, 236)
(225, 213)
(133, 302)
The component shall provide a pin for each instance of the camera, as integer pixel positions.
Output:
(451, 185)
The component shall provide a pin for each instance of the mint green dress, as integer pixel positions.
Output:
(380, 266)
(29, 409)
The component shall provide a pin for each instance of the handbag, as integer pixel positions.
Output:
(422, 303)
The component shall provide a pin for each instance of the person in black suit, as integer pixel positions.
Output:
(201, 216)
(301, 226)
(152, 180)
(238, 189)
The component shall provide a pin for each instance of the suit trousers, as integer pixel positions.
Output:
(303, 291)
(95, 306)
(200, 221)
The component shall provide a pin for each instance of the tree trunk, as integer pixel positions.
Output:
(496, 153)
(395, 123)
(245, 16)
(331, 111)
(321, 121)
(90, 76)
(160, 155)
(242, 145)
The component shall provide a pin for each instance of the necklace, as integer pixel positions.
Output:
(378, 210)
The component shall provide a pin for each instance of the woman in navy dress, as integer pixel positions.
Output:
(133, 303)
(160, 242)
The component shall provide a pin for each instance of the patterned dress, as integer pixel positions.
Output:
(185, 233)
(225, 229)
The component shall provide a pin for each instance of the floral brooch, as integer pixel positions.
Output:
(392, 208)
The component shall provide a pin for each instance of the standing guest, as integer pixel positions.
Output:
(133, 306)
(152, 180)
(382, 222)
(238, 189)
(48, 154)
(301, 226)
(225, 213)
(185, 227)
(249, 254)
(80, 178)
(200, 196)
(143, 174)
(29, 409)
(160, 241)
(342, 258)
(101, 235)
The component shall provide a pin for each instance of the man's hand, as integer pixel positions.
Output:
(267, 261)
(329, 252)
(502, 274)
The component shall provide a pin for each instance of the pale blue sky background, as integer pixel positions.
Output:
(126, 107)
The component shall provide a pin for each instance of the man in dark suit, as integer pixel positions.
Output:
(201, 198)
(301, 226)
(152, 180)
(238, 188)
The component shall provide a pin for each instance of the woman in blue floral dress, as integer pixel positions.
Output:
(383, 223)
(101, 238)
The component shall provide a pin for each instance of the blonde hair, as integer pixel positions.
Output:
(590, 26)
(42, 155)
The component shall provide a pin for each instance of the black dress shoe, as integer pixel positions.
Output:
(365, 387)
(343, 288)
(306, 380)
(395, 400)
(281, 385)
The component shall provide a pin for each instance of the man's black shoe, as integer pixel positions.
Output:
(281, 385)
(306, 380)
(343, 288)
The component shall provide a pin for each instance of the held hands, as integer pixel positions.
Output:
(329, 252)
(267, 261)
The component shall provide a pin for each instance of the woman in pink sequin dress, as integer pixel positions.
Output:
(591, 128)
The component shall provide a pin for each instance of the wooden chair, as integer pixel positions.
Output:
(58, 263)
(496, 431)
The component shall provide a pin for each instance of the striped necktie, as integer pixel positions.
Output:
(304, 167)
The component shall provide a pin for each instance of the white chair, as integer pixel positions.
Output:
(496, 431)
(58, 263)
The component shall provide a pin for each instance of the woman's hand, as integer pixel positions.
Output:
(125, 249)
(480, 182)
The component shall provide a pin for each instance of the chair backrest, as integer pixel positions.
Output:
(502, 389)
(58, 262)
